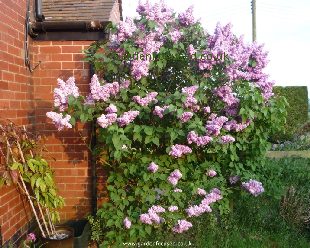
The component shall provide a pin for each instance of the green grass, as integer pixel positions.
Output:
(255, 221)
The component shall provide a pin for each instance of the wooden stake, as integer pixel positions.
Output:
(26, 191)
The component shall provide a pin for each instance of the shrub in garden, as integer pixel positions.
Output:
(297, 110)
(181, 132)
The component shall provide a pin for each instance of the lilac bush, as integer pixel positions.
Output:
(179, 131)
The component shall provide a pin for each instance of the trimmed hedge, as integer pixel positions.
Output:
(297, 111)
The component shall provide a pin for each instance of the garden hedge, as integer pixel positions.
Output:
(297, 111)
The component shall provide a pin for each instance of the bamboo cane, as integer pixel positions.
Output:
(24, 162)
(52, 227)
(26, 191)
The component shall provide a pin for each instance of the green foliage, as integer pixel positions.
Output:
(40, 176)
(297, 98)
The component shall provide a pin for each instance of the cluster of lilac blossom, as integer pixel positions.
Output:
(152, 167)
(211, 173)
(152, 217)
(182, 226)
(191, 101)
(64, 90)
(253, 187)
(152, 41)
(234, 126)
(144, 101)
(193, 137)
(215, 124)
(127, 223)
(107, 120)
(187, 18)
(186, 116)
(127, 117)
(201, 192)
(125, 83)
(159, 111)
(226, 94)
(59, 120)
(174, 177)
(175, 35)
(125, 30)
(104, 92)
(159, 12)
(139, 68)
(204, 206)
(173, 208)
(207, 109)
(178, 151)
(248, 61)
(111, 109)
(225, 139)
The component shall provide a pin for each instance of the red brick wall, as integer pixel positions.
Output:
(63, 59)
(25, 98)
(16, 94)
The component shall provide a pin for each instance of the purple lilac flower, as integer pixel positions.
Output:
(186, 116)
(191, 50)
(234, 179)
(125, 30)
(159, 12)
(89, 100)
(203, 207)
(127, 223)
(159, 111)
(59, 121)
(206, 110)
(174, 177)
(227, 139)
(215, 125)
(127, 117)
(173, 208)
(139, 68)
(253, 187)
(226, 94)
(234, 126)
(111, 109)
(193, 137)
(103, 92)
(187, 18)
(175, 35)
(190, 91)
(31, 237)
(106, 120)
(197, 210)
(211, 173)
(201, 192)
(146, 219)
(152, 167)
(157, 209)
(150, 43)
(125, 83)
(249, 60)
(144, 101)
(178, 151)
(64, 90)
(151, 216)
(182, 226)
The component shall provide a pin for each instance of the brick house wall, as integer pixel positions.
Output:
(25, 98)
(16, 95)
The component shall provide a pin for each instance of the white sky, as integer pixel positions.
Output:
(282, 25)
